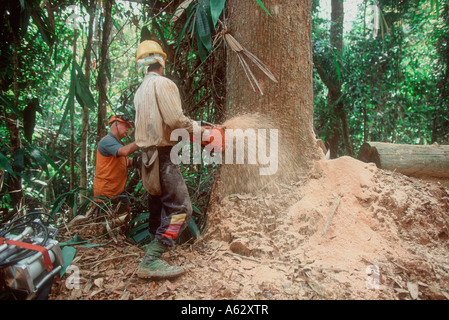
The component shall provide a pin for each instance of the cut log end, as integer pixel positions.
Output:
(367, 154)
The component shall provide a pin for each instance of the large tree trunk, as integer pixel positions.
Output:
(283, 43)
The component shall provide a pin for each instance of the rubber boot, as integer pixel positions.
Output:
(152, 266)
(147, 241)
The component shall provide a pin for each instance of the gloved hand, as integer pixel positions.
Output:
(206, 134)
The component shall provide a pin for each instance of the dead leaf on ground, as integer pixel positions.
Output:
(99, 282)
(413, 289)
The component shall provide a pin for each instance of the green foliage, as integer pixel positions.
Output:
(263, 7)
(203, 23)
(388, 82)
(216, 8)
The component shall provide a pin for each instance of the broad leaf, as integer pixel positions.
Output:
(43, 24)
(4, 163)
(193, 228)
(37, 156)
(68, 253)
(203, 27)
(83, 93)
(186, 25)
(263, 7)
(216, 8)
(19, 160)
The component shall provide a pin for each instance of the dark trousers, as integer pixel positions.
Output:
(170, 212)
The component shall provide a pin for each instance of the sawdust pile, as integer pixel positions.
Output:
(323, 236)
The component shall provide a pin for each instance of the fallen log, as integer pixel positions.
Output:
(412, 160)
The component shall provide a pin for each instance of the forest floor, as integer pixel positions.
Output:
(346, 230)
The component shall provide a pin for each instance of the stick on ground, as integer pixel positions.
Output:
(329, 218)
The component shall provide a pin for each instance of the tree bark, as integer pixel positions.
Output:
(90, 6)
(15, 188)
(72, 125)
(411, 160)
(339, 122)
(103, 70)
(283, 43)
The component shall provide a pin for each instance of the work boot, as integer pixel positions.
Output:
(147, 241)
(153, 266)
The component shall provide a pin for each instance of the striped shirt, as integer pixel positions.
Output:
(158, 112)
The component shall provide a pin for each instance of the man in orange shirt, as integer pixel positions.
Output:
(112, 162)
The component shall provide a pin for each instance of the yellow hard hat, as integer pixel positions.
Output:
(149, 47)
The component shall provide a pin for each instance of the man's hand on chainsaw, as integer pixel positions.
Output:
(205, 132)
(213, 135)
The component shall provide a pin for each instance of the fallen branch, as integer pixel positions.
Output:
(213, 253)
(329, 218)
(268, 262)
(112, 258)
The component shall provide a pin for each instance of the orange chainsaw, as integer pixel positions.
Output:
(213, 136)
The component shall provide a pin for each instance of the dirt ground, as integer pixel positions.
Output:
(347, 230)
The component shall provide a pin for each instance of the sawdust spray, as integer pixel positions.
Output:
(247, 177)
